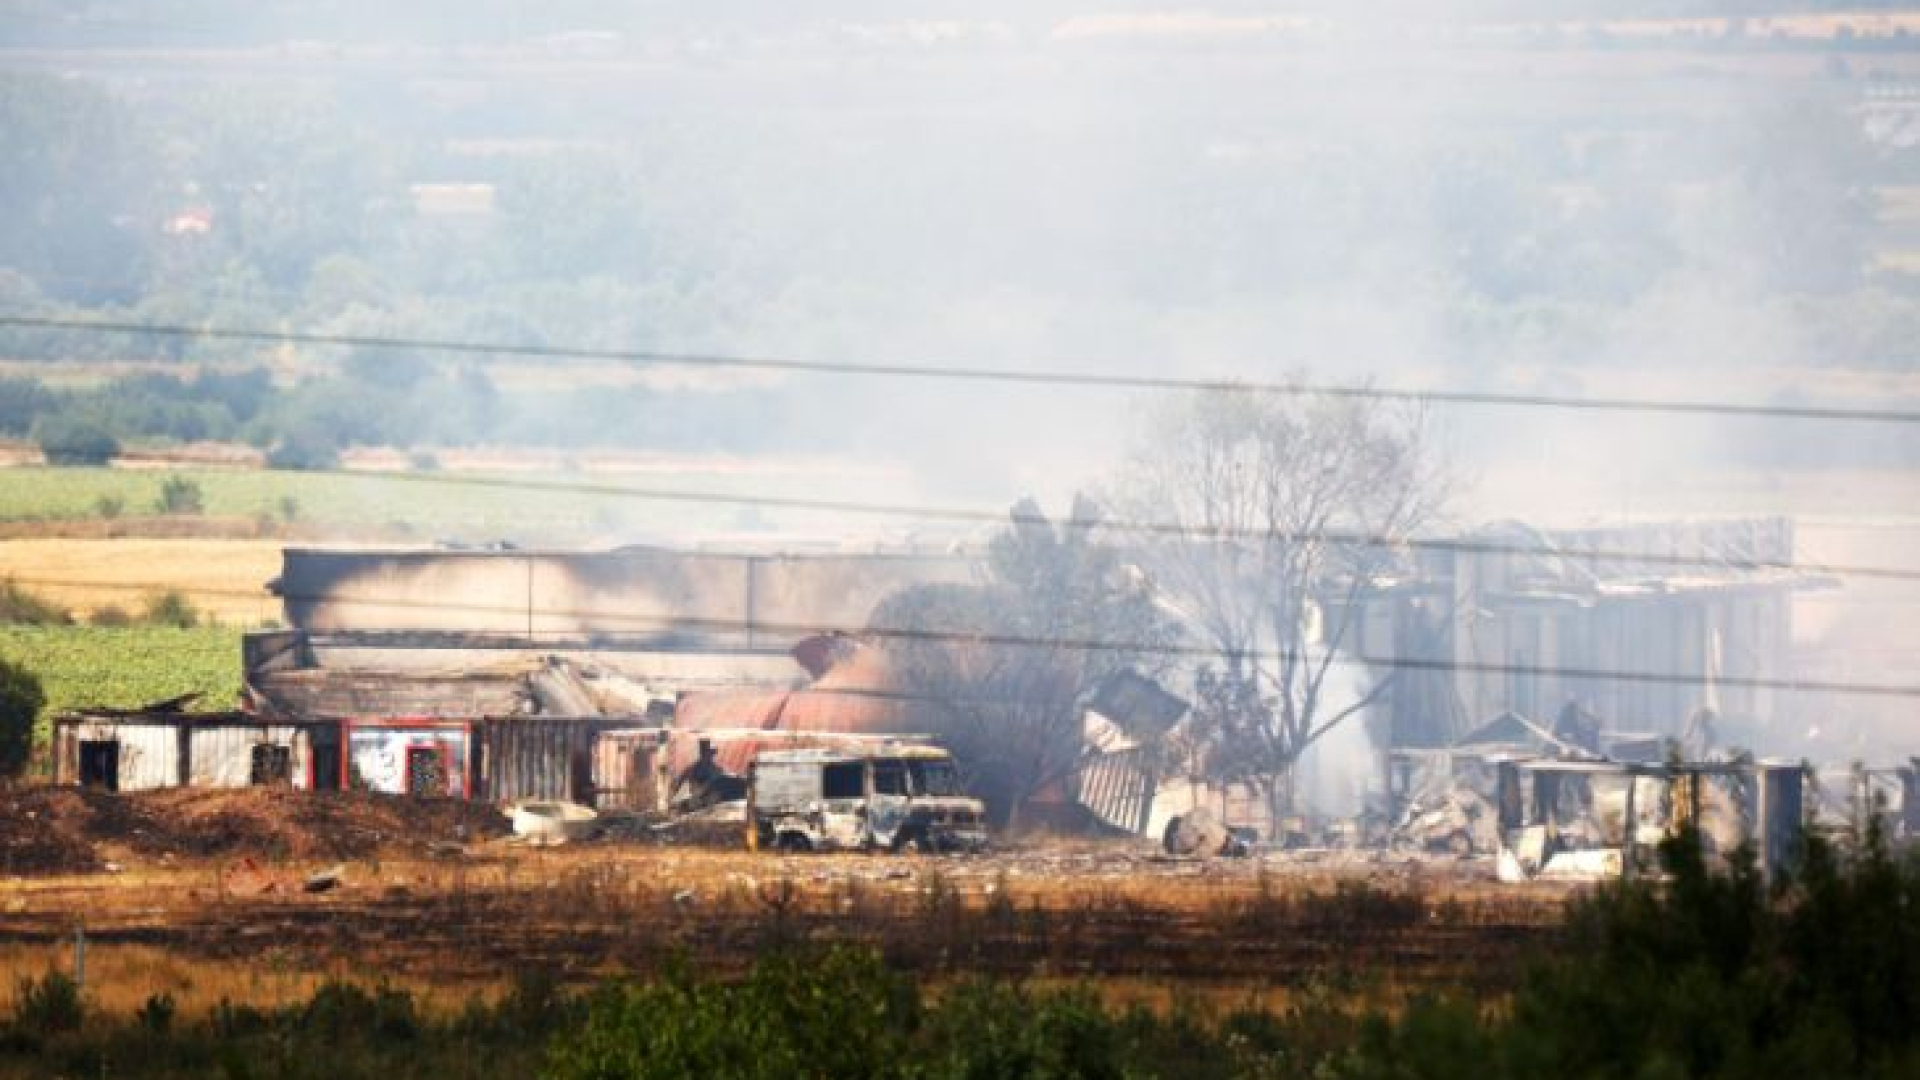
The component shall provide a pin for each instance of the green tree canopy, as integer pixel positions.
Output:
(20, 700)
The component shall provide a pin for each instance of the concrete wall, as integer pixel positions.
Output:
(629, 591)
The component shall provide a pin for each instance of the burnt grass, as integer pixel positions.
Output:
(467, 922)
(1708, 972)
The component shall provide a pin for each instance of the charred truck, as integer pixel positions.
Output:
(890, 797)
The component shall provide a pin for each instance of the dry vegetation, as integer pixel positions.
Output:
(213, 880)
(224, 578)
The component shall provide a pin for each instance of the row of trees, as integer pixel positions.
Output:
(1250, 530)
(299, 208)
(398, 400)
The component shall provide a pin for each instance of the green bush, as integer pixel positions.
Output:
(304, 450)
(22, 608)
(339, 1009)
(1710, 973)
(995, 1029)
(20, 700)
(841, 1015)
(110, 615)
(74, 440)
(170, 608)
(179, 495)
(49, 1005)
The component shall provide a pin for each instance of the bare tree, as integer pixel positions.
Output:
(1282, 516)
(1010, 662)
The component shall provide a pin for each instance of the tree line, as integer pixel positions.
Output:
(375, 401)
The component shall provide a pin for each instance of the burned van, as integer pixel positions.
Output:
(893, 797)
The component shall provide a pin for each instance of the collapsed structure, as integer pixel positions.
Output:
(611, 678)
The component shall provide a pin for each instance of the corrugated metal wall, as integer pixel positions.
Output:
(1117, 790)
(579, 759)
(629, 771)
(149, 753)
(536, 758)
(222, 755)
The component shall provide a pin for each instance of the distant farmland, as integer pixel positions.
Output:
(469, 506)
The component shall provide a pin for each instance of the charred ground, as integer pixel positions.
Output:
(432, 893)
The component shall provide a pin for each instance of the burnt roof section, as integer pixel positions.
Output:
(335, 693)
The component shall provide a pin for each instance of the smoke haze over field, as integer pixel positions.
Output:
(1506, 198)
(1457, 202)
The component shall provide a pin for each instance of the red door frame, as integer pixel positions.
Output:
(444, 752)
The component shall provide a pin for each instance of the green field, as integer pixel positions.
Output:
(461, 506)
(126, 666)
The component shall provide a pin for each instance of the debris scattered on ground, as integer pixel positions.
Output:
(1458, 821)
(1593, 864)
(326, 879)
(246, 878)
(553, 822)
(1200, 833)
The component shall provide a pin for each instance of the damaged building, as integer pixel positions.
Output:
(1642, 629)
(166, 745)
(606, 677)
(1623, 645)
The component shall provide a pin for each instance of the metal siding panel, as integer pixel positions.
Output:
(210, 755)
(149, 756)
(66, 754)
(301, 740)
(221, 756)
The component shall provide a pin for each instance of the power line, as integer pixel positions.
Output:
(1173, 529)
(670, 623)
(963, 515)
(103, 22)
(1054, 377)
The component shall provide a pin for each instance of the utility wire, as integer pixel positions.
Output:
(672, 623)
(994, 517)
(103, 22)
(1055, 377)
(1151, 528)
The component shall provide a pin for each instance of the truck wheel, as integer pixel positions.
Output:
(794, 842)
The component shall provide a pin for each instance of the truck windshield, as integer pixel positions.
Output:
(933, 777)
(889, 778)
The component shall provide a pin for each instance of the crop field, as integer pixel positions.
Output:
(225, 579)
(329, 500)
(500, 503)
(126, 666)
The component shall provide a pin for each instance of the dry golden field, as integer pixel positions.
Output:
(226, 579)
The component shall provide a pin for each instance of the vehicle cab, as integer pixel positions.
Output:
(895, 797)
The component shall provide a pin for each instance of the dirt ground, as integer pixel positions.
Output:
(209, 889)
(65, 831)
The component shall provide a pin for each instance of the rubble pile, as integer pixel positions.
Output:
(50, 831)
(1458, 821)
(46, 831)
